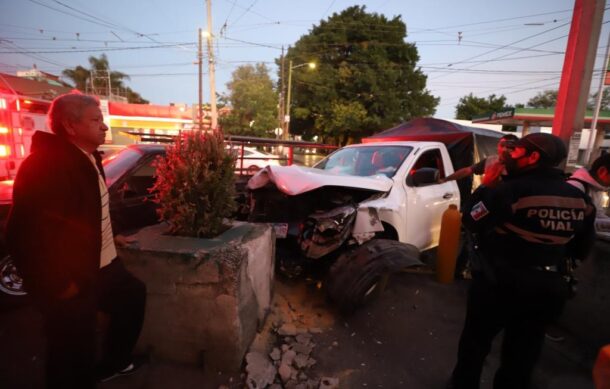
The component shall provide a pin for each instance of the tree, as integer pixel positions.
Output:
(605, 105)
(470, 106)
(545, 99)
(253, 102)
(366, 78)
(101, 80)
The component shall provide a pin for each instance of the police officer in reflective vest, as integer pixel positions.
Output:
(526, 227)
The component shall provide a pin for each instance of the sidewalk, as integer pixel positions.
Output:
(406, 339)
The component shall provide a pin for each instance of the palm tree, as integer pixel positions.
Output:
(79, 76)
(101, 80)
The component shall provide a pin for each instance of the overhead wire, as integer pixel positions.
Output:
(99, 49)
(510, 44)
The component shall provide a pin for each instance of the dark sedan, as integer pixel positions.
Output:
(130, 174)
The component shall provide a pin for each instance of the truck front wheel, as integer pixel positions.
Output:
(359, 272)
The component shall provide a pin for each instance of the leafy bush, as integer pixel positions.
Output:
(195, 186)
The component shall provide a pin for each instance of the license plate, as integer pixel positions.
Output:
(281, 230)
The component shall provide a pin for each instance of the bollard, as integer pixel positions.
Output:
(448, 244)
(601, 369)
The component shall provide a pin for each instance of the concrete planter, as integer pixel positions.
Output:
(206, 297)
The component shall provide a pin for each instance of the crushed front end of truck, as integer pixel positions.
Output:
(320, 221)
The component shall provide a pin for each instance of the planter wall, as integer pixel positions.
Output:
(206, 297)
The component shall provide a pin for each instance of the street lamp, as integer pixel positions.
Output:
(311, 65)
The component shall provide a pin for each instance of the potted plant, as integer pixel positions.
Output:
(208, 278)
(195, 187)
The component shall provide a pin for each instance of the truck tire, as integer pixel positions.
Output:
(357, 272)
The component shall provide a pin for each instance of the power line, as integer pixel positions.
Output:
(98, 49)
(249, 10)
(70, 14)
(329, 7)
(510, 44)
(503, 19)
(253, 43)
(538, 44)
(506, 59)
(31, 55)
(104, 21)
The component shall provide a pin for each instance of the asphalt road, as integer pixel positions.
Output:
(407, 338)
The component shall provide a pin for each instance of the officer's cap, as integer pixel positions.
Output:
(551, 148)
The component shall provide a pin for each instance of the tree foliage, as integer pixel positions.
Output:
(366, 78)
(470, 106)
(195, 186)
(253, 102)
(605, 104)
(544, 99)
(100, 78)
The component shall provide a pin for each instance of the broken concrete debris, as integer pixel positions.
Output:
(288, 350)
(287, 364)
(261, 371)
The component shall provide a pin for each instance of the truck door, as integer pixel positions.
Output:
(426, 203)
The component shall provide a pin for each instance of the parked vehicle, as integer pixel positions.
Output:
(253, 160)
(368, 208)
(129, 177)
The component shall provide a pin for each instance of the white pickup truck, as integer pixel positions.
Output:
(367, 210)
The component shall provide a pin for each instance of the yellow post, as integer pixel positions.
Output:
(448, 245)
(601, 369)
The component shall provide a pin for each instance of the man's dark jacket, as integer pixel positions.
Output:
(54, 227)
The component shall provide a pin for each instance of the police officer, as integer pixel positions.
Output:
(526, 226)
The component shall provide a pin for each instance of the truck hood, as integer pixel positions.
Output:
(294, 180)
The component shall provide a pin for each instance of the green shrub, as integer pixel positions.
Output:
(195, 186)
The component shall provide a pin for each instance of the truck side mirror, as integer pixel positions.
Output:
(423, 176)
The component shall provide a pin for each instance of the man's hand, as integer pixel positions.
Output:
(124, 241)
(70, 292)
(493, 174)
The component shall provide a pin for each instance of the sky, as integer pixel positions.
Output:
(513, 48)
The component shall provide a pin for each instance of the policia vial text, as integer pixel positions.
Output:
(557, 219)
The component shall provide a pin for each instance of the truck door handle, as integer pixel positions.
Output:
(447, 196)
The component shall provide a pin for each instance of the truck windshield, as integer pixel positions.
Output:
(117, 164)
(365, 160)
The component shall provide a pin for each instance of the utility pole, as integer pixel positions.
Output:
(596, 136)
(286, 134)
(109, 85)
(281, 112)
(200, 65)
(214, 113)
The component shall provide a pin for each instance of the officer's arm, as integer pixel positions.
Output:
(488, 208)
(580, 246)
(458, 175)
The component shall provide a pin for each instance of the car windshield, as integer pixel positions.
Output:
(116, 164)
(366, 160)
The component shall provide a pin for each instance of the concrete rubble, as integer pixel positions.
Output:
(285, 361)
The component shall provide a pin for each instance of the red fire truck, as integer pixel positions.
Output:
(20, 117)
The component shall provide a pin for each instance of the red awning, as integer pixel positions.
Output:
(149, 110)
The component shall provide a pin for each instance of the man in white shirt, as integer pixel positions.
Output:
(59, 234)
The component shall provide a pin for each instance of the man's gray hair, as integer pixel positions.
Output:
(68, 107)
